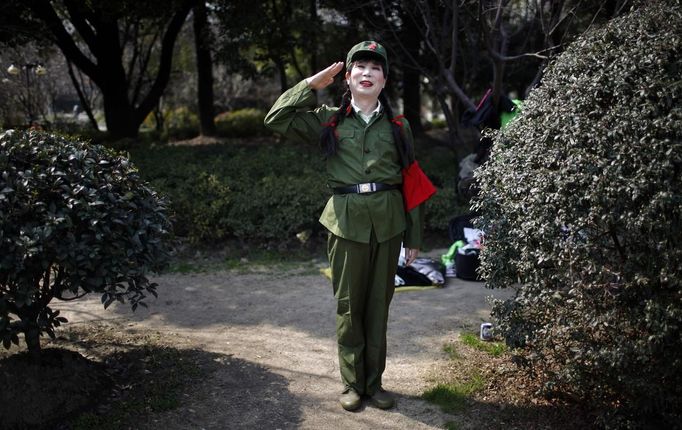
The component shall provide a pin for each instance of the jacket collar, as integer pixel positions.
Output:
(365, 116)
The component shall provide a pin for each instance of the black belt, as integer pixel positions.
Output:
(368, 187)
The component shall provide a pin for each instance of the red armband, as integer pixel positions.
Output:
(417, 188)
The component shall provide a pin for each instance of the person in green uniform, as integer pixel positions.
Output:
(366, 149)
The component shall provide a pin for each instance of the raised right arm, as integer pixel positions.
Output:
(294, 115)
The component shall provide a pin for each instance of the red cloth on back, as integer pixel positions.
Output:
(417, 188)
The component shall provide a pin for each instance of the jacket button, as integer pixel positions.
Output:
(368, 170)
(366, 150)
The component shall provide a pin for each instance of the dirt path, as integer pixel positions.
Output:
(273, 336)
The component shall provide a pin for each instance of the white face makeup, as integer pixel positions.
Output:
(366, 79)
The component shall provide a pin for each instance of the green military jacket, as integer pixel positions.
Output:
(366, 153)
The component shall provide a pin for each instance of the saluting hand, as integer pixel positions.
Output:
(325, 77)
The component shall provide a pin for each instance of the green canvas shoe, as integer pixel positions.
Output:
(382, 399)
(350, 400)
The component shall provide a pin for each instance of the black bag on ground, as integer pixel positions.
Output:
(412, 277)
(466, 265)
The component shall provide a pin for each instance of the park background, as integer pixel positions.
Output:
(160, 73)
(181, 88)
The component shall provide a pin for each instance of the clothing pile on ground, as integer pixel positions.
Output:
(462, 259)
(422, 272)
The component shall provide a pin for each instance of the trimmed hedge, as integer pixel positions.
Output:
(582, 204)
(180, 123)
(246, 122)
(264, 193)
(253, 193)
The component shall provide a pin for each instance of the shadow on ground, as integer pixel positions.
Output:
(237, 394)
(87, 383)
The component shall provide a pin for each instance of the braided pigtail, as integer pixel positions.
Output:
(401, 143)
(329, 139)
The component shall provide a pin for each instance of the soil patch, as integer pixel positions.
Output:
(256, 348)
(39, 395)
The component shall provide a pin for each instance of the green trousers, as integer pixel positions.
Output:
(363, 276)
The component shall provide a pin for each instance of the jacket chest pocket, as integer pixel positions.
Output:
(348, 139)
(345, 134)
(384, 146)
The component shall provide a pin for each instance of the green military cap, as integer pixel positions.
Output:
(368, 47)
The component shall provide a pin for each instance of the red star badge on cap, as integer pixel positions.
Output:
(372, 46)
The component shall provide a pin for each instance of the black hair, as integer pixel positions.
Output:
(329, 139)
(371, 56)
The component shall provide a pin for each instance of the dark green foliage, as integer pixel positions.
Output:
(582, 200)
(276, 207)
(246, 122)
(253, 193)
(257, 193)
(180, 124)
(441, 208)
(441, 166)
(74, 219)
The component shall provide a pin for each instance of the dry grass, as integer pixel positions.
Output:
(485, 390)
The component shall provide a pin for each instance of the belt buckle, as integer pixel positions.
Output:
(365, 188)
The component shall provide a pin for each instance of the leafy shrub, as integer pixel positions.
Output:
(74, 219)
(246, 122)
(200, 210)
(440, 164)
(582, 203)
(441, 208)
(261, 194)
(257, 193)
(190, 179)
(271, 211)
(180, 123)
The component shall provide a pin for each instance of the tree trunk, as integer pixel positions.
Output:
(312, 35)
(100, 32)
(158, 118)
(451, 121)
(204, 71)
(281, 68)
(412, 100)
(81, 96)
(411, 79)
(118, 113)
(29, 321)
(32, 336)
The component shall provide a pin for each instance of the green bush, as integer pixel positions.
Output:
(582, 204)
(74, 219)
(264, 193)
(441, 208)
(180, 123)
(246, 122)
(440, 164)
(272, 211)
(255, 193)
